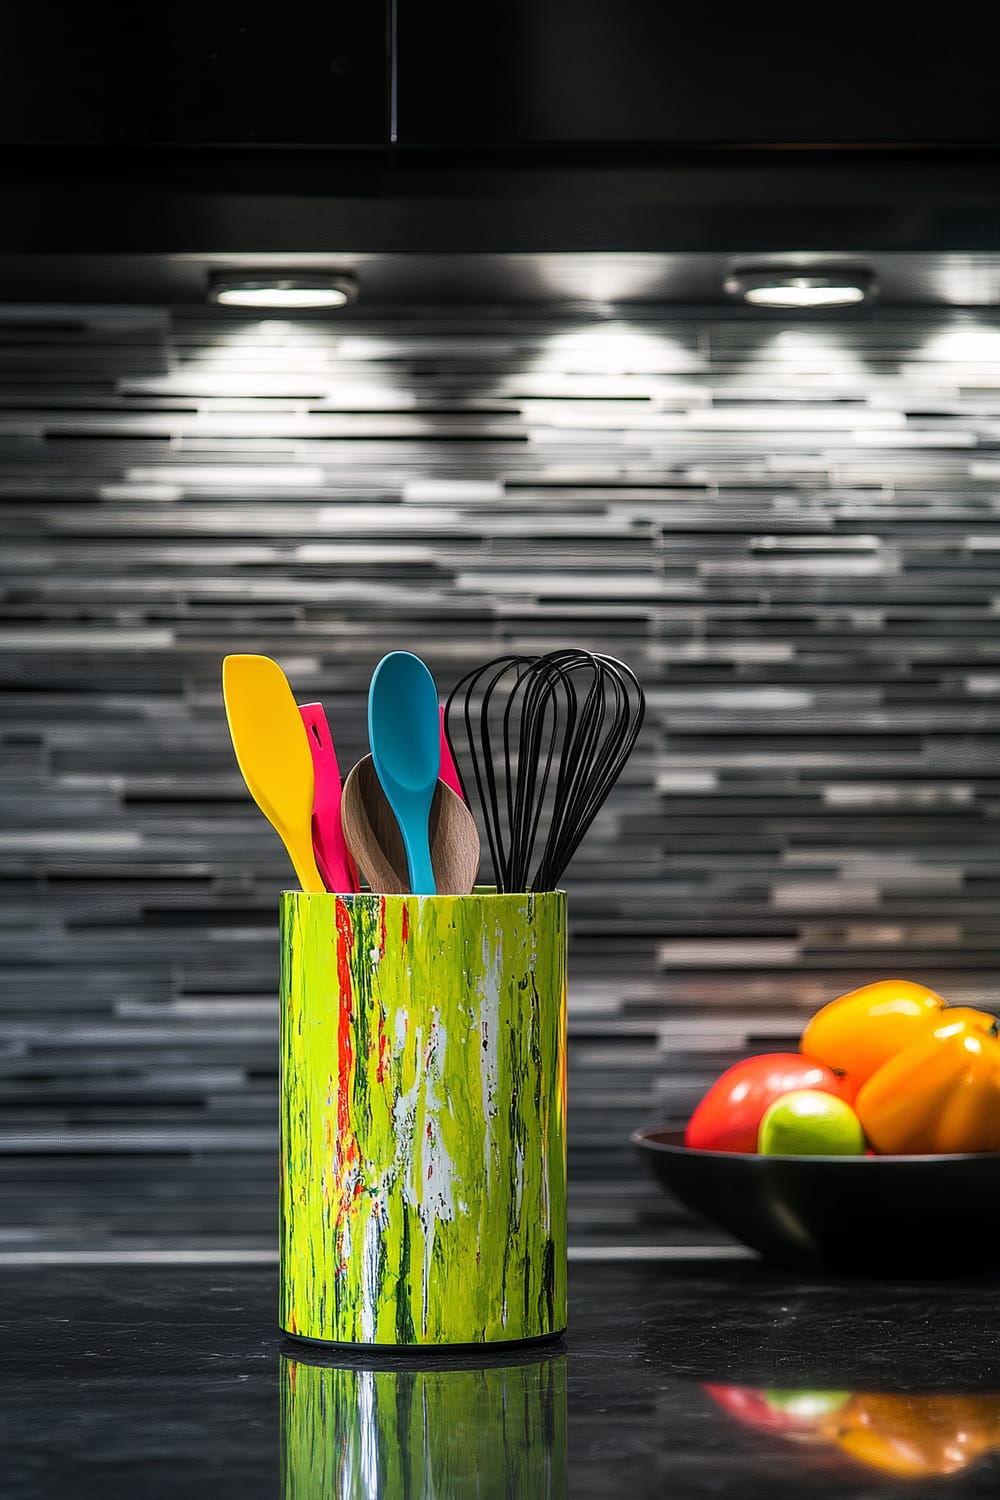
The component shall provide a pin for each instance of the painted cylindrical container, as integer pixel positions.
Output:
(358, 1432)
(423, 1118)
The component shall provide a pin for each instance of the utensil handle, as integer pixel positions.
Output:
(449, 771)
(338, 875)
(307, 870)
(418, 861)
(332, 855)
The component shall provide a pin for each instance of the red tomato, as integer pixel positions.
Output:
(729, 1116)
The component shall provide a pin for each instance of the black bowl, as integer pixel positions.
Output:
(896, 1215)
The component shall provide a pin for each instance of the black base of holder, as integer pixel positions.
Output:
(467, 1356)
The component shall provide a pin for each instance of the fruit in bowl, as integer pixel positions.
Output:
(941, 1094)
(899, 1072)
(809, 1122)
(792, 1154)
(729, 1116)
(859, 1031)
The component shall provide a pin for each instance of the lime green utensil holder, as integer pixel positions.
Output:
(423, 1118)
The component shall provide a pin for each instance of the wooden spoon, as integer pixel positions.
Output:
(373, 837)
(273, 753)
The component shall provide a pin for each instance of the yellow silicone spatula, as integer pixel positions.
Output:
(273, 753)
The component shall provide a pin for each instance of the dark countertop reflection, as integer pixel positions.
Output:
(676, 1378)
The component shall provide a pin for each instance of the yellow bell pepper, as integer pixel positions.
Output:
(858, 1032)
(941, 1094)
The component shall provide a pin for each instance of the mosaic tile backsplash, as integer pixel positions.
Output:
(790, 530)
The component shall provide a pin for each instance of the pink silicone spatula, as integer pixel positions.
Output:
(336, 866)
(448, 772)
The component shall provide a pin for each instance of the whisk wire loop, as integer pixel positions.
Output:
(564, 725)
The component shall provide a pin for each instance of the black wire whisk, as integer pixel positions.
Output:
(546, 738)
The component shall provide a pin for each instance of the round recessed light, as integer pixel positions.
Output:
(796, 287)
(285, 292)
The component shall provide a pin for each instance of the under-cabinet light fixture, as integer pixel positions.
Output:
(261, 289)
(784, 286)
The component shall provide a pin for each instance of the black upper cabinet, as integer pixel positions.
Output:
(517, 74)
(180, 74)
(568, 72)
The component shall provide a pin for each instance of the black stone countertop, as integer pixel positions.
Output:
(172, 1380)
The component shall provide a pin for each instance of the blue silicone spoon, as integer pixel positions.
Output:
(404, 730)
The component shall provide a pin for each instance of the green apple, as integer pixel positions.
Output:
(809, 1122)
